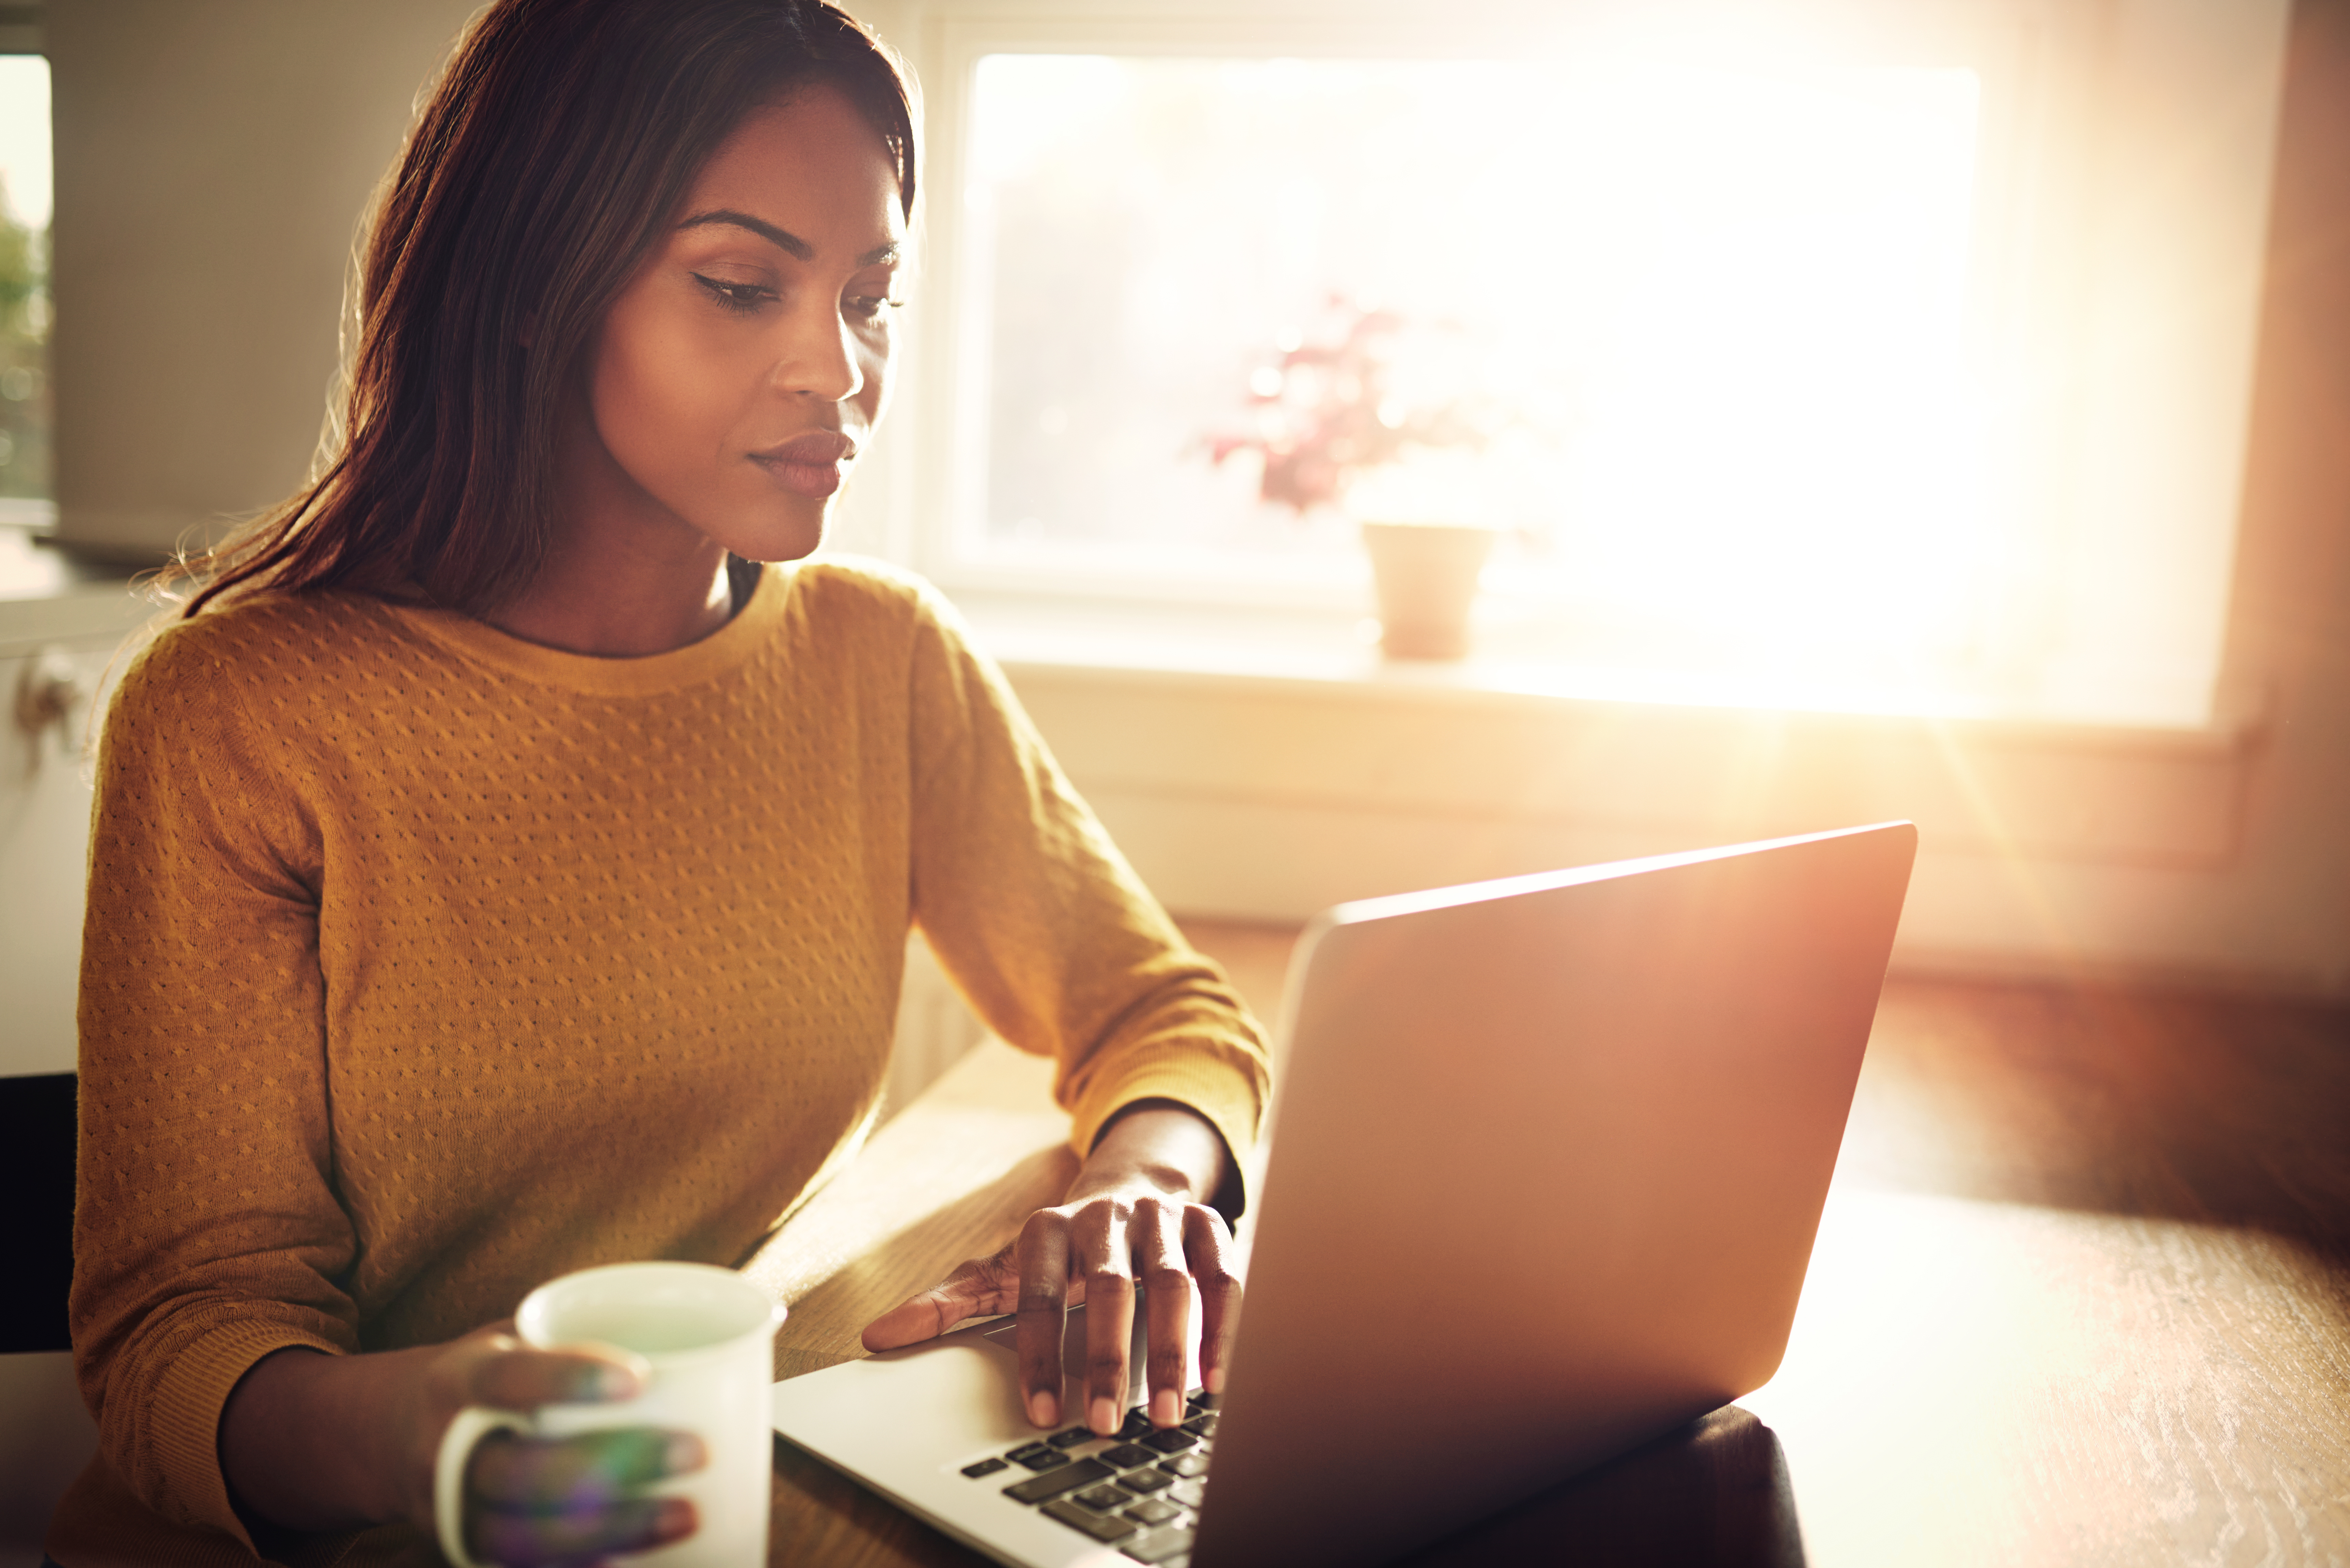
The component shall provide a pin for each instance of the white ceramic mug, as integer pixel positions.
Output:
(709, 1336)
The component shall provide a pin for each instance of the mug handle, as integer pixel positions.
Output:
(469, 1426)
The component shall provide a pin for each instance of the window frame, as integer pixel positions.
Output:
(2052, 73)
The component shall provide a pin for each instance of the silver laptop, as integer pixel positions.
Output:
(1548, 1157)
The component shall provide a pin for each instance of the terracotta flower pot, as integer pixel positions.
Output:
(1426, 573)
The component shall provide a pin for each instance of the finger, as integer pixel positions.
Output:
(1167, 1297)
(1043, 1251)
(1208, 1254)
(1099, 1240)
(526, 1539)
(976, 1289)
(514, 1474)
(521, 1378)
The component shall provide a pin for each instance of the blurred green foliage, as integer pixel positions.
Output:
(25, 396)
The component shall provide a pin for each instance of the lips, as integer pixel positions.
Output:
(811, 464)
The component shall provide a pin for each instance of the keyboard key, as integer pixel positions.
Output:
(1146, 1480)
(1126, 1456)
(1136, 1424)
(1044, 1460)
(1189, 1494)
(1106, 1496)
(1198, 1426)
(1174, 1441)
(1023, 1450)
(1158, 1545)
(1053, 1482)
(984, 1468)
(1101, 1527)
(1201, 1403)
(1154, 1510)
(1190, 1464)
(1074, 1436)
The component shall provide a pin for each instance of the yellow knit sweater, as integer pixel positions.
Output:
(424, 964)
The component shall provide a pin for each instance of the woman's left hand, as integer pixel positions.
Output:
(1133, 1213)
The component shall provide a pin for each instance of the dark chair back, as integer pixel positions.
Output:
(37, 1194)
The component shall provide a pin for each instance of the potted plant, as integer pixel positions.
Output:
(1338, 422)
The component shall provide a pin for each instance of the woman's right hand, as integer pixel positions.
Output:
(530, 1501)
(305, 1444)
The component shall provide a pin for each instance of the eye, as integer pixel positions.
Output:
(740, 298)
(869, 306)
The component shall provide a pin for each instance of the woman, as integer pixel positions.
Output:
(499, 871)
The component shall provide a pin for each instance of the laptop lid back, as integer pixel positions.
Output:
(1547, 1162)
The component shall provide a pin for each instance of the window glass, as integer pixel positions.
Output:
(24, 400)
(1711, 327)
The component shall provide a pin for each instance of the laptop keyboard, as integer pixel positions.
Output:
(1138, 1489)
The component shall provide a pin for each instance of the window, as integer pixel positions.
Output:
(1787, 349)
(1718, 317)
(25, 498)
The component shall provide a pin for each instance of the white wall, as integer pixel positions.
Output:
(2206, 860)
(45, 824)
(212, 163)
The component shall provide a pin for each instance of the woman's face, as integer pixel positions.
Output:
(742, 370)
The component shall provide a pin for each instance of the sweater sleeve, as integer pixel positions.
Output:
(206, 1231)
(1044, 928)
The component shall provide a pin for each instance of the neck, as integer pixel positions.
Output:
(628, 577)
(622, 601)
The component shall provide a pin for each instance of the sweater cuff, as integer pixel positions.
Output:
(1222, 1093)
(186, 1414)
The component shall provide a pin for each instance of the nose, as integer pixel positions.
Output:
(819, 355)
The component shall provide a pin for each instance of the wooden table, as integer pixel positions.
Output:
(2081, 1295)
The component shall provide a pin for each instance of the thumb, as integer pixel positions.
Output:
(975, 1290)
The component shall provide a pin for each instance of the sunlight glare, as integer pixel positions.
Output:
(25, 177)
(1731, 304)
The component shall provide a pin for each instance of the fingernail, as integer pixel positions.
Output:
(1105, 1415)
(595, 1382)
(1165, 1408)
(1213, 1380)
(675, 1519)
(1044, 1407)
(684, 1453)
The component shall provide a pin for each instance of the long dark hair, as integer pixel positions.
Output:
(555, 148)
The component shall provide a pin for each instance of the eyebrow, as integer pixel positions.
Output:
(783, 239)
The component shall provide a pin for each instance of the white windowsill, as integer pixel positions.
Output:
(1334, 657)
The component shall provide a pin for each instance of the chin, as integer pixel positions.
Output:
(777, 539)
